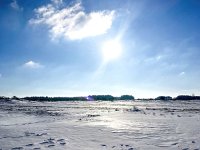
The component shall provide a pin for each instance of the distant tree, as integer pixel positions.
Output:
(163, 98)
(15, 97)
(4, 98)
(103, 97)
(126, 97)
(187, 97)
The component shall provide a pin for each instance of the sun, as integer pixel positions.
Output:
(111, 50)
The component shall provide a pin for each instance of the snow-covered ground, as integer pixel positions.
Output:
(119, 125)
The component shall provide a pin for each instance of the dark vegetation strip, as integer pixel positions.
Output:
(96, 98)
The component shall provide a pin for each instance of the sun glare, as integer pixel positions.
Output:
(111, 50)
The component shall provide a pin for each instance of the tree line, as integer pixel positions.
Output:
(87, 98)
(99, 97)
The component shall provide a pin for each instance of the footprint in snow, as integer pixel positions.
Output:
(17, 148)
(45, 142)
(61, 141)
(51, 145)
(36, 148)
(121, 146)
(29, 145)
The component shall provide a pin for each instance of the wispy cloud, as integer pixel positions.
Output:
(16, 6)
(57, 1)
(154, 59)
(32, 65)
(181, 73)
(73, 22)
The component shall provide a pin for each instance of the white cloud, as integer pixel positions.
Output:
(72, 22)
(16, 6)
(33, 65)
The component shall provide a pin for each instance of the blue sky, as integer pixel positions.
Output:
(76, 48)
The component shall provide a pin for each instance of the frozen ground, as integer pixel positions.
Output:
(151, 125)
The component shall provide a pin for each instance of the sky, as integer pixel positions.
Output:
(85, 47)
